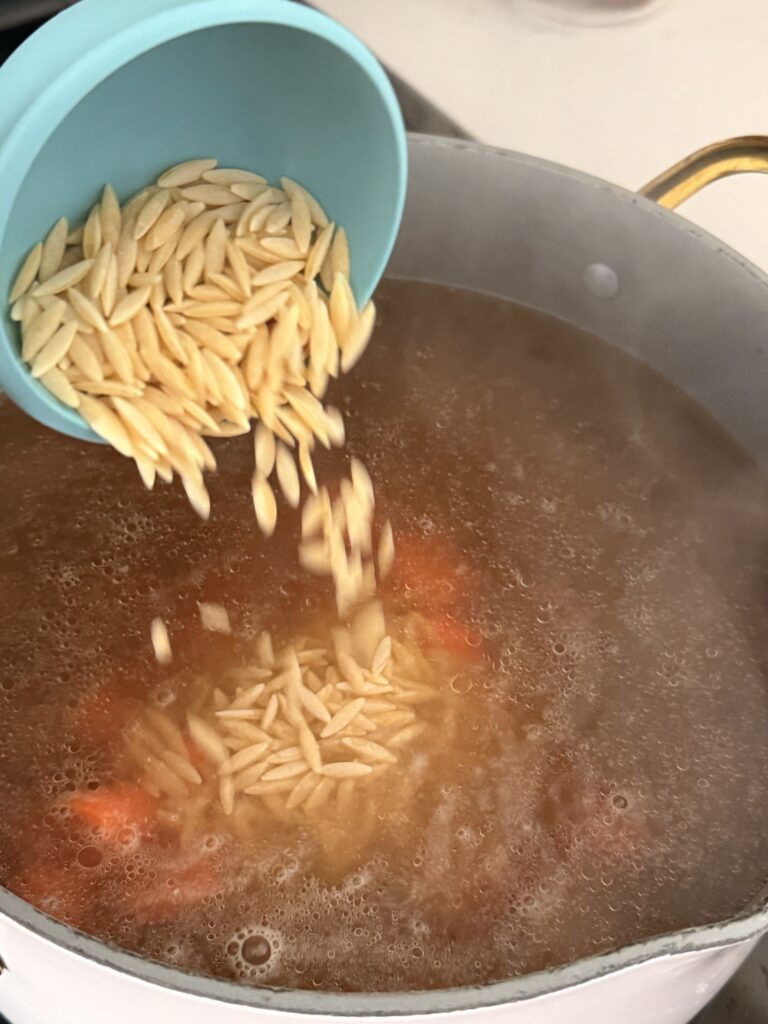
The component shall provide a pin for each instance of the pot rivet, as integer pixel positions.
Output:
(601, 281)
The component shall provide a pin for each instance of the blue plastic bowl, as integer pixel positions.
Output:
(117, 90)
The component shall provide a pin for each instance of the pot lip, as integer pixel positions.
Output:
(747, 926)
(383, 1004)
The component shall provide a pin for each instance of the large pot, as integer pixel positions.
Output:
(623, 267)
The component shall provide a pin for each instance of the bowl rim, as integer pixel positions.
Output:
(92, 41)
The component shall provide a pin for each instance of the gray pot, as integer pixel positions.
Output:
(624, 268)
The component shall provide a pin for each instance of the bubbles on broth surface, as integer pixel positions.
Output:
(254, 952)
(578, 531)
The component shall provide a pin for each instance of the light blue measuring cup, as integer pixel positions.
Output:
(117, 90)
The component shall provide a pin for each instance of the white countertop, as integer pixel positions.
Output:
(622, 102)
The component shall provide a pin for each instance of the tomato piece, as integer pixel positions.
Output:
(115, 809)
(180, 885)
(455, 637)
(433, 570)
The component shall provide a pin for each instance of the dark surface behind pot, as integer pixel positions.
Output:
(744, 1000)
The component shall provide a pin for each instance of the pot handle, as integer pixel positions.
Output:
(744, 155)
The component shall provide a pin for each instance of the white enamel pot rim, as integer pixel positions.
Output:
(428, 242)
(407, 1004)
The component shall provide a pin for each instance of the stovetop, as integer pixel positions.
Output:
(744, 1000)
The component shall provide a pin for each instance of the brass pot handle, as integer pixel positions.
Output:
(745, 155)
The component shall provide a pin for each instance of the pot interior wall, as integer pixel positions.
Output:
(557, 240)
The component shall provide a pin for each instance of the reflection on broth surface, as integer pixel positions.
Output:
(580, 553)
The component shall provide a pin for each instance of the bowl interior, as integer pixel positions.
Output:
(271, 98)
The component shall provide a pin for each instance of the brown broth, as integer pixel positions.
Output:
(606, 774)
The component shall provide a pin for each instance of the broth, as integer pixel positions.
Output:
(589, 546)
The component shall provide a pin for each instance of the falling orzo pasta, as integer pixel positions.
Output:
(191, 311)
